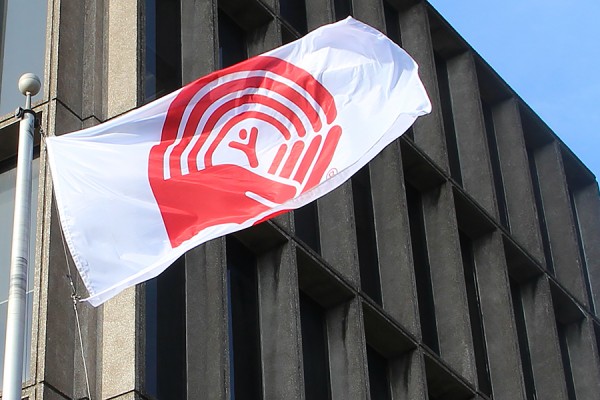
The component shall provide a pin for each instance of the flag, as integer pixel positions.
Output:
(229, 150)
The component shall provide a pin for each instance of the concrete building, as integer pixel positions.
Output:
(462, 263)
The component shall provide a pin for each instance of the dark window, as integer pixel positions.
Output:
(244, 333)
(449, 129)
(232, 42)
(564, 353)
(495, 161)
(163, 48)
(165, 334)
(343, 8)
(392, 23)
(365, 234)
(517, 302)
(422, 269)
(584, 266)
(477, 329)
(306, 223)
(314, 350)
(294, 12)
(287, 36)
(540, 210)
(379, 385)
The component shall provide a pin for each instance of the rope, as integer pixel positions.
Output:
(76, 299)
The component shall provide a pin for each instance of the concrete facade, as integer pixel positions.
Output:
(475, 274)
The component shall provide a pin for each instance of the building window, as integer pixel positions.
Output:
(306, 226)
(365, 234)
(294, 12)
(392, 23)
(540, 210)
(232, 42)
(7, 205)
(343, 8)
(422, 269)
(517, 301)
(477, 329)
(15, 57)
(163, 48)
(314, 350)
(495, 162)
(165, 334)
(244, 334)
(379, 384)
(447, 116)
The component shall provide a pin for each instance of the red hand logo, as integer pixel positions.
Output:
(239, 142)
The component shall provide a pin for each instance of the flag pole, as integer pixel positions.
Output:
(29, 85)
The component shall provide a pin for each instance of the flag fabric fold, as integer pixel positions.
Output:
(229, 150)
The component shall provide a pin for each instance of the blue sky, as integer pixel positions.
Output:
(548, 51)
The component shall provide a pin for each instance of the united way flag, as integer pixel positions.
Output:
(229, 150)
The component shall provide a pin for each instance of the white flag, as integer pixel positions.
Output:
(236, 147)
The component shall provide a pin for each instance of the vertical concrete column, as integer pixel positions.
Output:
(587, 204)
(370, 12)
(337, 232)
(280, 324)
(408, 379)
(497, 315)
(518, 188)
(347, 352)
(318, 12)
(542, 337)
(205, 267)
(120, 353)
(476, 169)
(448, 283)
(199, 36)
(416, 40)
(206, 326)
(121, 330)
(93, 63)
(585, 364)
(123, 52)
(559, 219)
(397, 275)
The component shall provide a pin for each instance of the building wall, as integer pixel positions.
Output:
(460, 263)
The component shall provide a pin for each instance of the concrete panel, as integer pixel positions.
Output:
(93, 59)
(518, 189)
(280, 324)
(347, 352)
(542, 337)
(337, 232)
(56, 335)
(370, 12)
(199, 48)
(585, 364)
(498, 320)
(474, 155)
(587, 204)
(206, 307)
(559, 220)
(122, 56)
(318, 13)
(398, 288)
(408, 380)
(416, 40)
(69, 20)
(119, 339)
(447, 276)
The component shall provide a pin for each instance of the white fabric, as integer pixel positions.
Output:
(109, 214)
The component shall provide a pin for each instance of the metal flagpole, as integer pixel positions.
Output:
(29, 85)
